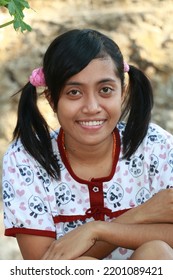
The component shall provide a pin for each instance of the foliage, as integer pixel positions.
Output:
(15, 9)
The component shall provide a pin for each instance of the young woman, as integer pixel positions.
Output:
(111, 178)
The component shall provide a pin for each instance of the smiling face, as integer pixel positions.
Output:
(89, 106)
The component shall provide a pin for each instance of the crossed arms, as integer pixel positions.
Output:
(152, 220)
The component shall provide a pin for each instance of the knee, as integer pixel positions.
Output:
(153, 250)
(86, 258)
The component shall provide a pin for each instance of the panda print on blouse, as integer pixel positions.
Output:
(35, 203)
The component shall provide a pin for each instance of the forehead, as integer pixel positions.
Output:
(98, 68)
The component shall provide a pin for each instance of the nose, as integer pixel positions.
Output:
(92, 105)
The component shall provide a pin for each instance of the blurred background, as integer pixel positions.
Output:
(142, 29)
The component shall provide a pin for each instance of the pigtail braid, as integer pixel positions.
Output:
(33, 131)
(137, 110)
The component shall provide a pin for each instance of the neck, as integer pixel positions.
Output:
(90, 161)
(89, 153)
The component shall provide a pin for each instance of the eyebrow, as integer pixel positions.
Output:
(73, 83)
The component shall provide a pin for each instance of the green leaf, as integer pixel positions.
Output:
(15, 8)
(23, 26)
(3, 2)
(25, 4)
(12, 8)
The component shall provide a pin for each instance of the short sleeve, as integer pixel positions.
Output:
(26, 196)
(161, 158)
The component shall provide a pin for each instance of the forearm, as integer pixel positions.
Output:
(158, 209)
(112, 235)
(131, 236)
(101, 249)
(151, 212)
(78, 242)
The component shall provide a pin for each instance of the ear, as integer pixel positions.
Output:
(49, 99)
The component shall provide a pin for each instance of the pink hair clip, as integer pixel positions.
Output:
(126, 67)
(37, 78)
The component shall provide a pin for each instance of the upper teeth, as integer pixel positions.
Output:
(90, 123)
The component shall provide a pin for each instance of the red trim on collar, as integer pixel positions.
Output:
(95, 187)
(67, 165)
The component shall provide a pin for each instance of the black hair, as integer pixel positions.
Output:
(66, 56)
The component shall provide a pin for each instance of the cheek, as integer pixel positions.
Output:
(114, 106)
(115, 113)
(65, 111)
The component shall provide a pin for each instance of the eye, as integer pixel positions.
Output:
(74, 93)
(106, 90)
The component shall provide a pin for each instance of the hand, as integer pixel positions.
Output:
(158, 209)
(73, 244)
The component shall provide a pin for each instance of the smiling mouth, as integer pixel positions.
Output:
(91, 123)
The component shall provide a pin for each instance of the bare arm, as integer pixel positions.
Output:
(131, 236)
(33, 247)
(151, 220)
(158, 209)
